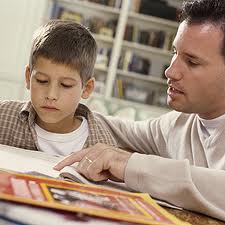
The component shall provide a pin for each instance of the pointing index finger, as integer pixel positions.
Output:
(72, 158)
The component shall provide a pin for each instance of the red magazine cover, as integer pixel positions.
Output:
(87, 199)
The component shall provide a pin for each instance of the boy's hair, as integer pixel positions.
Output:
(203, 11)
(68, 43)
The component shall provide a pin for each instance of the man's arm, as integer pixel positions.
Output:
(149, 137)
(176, 181)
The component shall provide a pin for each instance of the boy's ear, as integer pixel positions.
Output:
(27, 77)
(88, 88)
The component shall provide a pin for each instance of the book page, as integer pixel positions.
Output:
(70, 173)
(38, 163)
(27, 161)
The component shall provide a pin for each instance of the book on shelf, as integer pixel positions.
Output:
(119, 88)
(31, 188)
(135, 5)
(96, 24)
(130, 61)
(111, 3)
(149, 37)
(103, 57)
(70, 15)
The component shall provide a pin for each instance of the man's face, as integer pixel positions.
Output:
(196, 75)
(56, 90)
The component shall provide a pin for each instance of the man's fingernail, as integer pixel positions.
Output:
(56, 167)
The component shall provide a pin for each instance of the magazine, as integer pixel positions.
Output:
(82, 198)
(14, 213)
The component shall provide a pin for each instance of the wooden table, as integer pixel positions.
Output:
(194, 218)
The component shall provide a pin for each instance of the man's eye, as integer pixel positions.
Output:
(66, 85)
(41, 81)
(192, 63)
(174, 52)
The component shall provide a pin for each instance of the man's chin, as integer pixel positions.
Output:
(175, 106)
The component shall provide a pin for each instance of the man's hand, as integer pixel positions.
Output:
(99, 162)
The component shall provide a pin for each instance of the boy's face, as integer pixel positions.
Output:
(56, 90)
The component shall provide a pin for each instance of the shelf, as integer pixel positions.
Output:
(104, 38)
(141, 77)
(155, 20)
(91, 5)
(149, 49)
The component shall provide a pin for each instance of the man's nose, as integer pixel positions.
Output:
(173, 72)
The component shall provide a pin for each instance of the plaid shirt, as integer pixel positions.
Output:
(17, 120)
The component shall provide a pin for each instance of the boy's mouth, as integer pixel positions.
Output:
(50, 108)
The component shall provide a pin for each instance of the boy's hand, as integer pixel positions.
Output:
(99, 162)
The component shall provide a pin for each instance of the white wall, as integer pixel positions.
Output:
(18, 20)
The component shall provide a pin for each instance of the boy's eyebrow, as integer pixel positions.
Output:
(65, 77)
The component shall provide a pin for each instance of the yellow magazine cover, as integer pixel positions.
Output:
(87, 199)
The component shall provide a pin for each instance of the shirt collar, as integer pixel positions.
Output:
(27, 113)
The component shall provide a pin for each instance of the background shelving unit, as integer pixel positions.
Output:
(115, 84)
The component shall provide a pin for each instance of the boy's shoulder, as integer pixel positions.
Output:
(12, 106)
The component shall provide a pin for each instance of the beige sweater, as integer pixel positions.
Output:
(175, 163)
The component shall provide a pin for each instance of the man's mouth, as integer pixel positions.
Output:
(172, 92)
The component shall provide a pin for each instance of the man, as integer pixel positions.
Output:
(181, 155)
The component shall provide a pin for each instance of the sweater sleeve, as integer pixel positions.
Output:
(149, 137)
(176, 181)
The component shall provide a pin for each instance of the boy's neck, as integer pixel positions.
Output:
(61, 128)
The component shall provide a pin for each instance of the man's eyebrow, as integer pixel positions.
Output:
(193, 56)
(187, 54)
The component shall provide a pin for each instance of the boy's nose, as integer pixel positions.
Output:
(52, 93)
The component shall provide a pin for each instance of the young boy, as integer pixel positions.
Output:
(59, 74)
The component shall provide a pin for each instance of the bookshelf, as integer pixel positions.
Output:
(111, 22)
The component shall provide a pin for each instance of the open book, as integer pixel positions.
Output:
(37, 163)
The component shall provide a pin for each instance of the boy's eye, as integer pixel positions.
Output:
(66, 85)
(41, 81)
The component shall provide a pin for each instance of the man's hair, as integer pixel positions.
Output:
(65, 42)
(205, 11)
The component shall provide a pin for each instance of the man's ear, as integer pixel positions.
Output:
(27, 77)
(88, 88)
